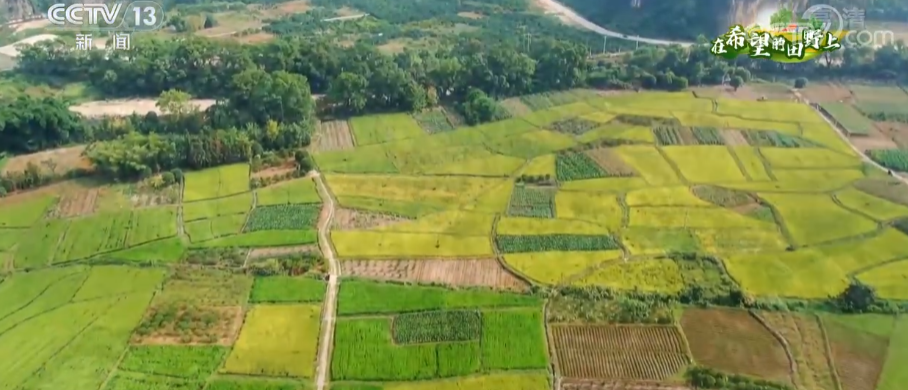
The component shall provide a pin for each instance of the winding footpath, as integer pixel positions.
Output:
(574, 17)
(330, 308)
(841, 134)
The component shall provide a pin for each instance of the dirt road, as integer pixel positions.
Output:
(845, 138)
(330, 308)
(572, 17)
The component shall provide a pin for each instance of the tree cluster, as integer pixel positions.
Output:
(707, 378)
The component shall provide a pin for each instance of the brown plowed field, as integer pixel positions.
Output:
(733, 138)
(66, 159)
(586, 384)
(640, 352)
(687, 136)
(332, 135)
(610, 162)
(349, 219)
(858, 356)
(472, 272)
(805, 338)
(733, 341)
(287, 167)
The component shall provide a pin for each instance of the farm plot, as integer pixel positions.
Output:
(752, 163)
(600, 208)
(372, 244)
(805, 339)
(299, 191)
(90, 236)
(238, 204)
(619, 352)
(287, 289)
(858, 346)
(884, 111)
(454, 222)
(557, 267)
(122, 380)
(661, 276)
(24, 211)
(803, 180)
(358, 297)
(263, 239)
(610, 162)
(808, 158)
(705, 164)
(673, 135)
(545, 100)
(377, 129)
(691, 217)
(606, 185)
(460, 272)
(350, 219)
(277, 340)
(493, 165)
(658, 241)
(732, 341)
(433, 121)
(768, 110)
(440, 191)
(205, 287)
(886, 93)
(577, 166)
(864, 203)
(812, 219)
(332, 135)
(849, 118)
(893, 375)
(763, 138)
(540, 166)
(152, 224)
(665, 196)
(708, 136)
(537, 226)
(216, 182)
(551, 115)
(38, 245)
(527, 201)
(895, 159)
(574, 126)
(532, 144)
(889, 280)
(620, 133)
(722, 241)
(649, 163)
(364, 159)
(283, 217)
(190, 362)
(77, 202)
(884, 188)
(554, 242)
(209, 229)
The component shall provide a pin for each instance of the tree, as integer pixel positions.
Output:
(174, 102)
(349, 91)
(737, 82)
(303, 161)
(210, 21)
(479, 107)
(857, 298)
(168, 178)
(800, 83)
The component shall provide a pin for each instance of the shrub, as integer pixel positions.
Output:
(800, 82)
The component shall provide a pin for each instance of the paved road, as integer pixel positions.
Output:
(555, 6)
(845, 138)
(328, 312)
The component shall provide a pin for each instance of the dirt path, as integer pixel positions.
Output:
(572, 17)
(845, 138)
(328, 313)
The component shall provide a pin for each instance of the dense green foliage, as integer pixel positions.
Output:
(707, 378)
(532, 202)
(283, 217)
(689, 18)
(436, 326)
(555, 242)
(30, 124)
(895, 159)
(576, 166)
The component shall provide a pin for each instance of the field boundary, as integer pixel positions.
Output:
(739, 163)
(550, 347)
(828, 352)
(792, 363)
(329, 311)
(672, 164)
(766, 166)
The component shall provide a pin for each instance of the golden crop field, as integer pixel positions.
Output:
(277, 340)
(705, 164)
(557, 267)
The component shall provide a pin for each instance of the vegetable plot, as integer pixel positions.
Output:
(283, 217)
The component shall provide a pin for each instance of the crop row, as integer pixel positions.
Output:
(555, 242)
(708, 136)
(433, 121)
(620, 352)
(585, 363)
(667, 136)
(283, 217)
(191, 362)
(645, 338)
(775, 139)
(576, 166)
(574, 126)
(895, 159)
(436, 326)
(532, 202)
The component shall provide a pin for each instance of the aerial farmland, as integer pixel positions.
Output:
(648, 240)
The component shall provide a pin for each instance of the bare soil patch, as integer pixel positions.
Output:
(827, 93)
(896, 131)
(349, 219)
(645, 352)
(37, 23)
(470, 15)
(287, 167)
(610, 162)
(858, 356)
(598, 384)
(181, 325)
(55, 161)
(332, 135)
(125, 107)
(687, 136)
(259, 253)
(468, 272)
(734, 138)
(77, 202)
(733, 341)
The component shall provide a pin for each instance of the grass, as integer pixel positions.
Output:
(376, 129)
(816, 218)
(369, 244)
(513, 339)
(209, 229)
(362, 297)
(752, 162)
(294, 191)
(894, 375)
(279, 340)
(646, 160)
(26, 212)
(555, 267)
(216, 182)
(705, 164)
(285, 289)
(238, 204)
(39, 244)
(191, 362)
(660, 276)
(151, 224)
